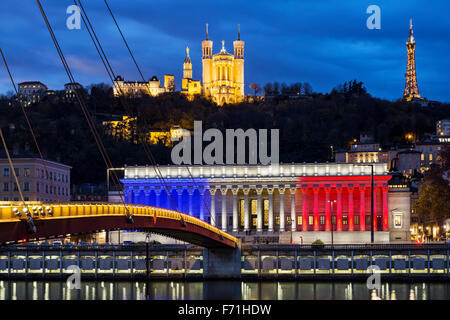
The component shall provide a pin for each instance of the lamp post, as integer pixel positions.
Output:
(332, 202)
(372, 234)
(147, 248)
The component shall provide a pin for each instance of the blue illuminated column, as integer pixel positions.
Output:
(180, 199)
(190, 193)
(147, 197)
(282, 218)
(202, 203)
(157, 195)
(235, 213)
(224, 209)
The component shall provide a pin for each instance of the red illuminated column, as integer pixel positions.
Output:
(305, 209)
(339, 209)
(362, 209)
(316, 209)
(385, 209)
(327, 210)
(350, 209)
(375, 209)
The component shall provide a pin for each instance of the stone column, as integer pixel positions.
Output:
(270, 194)
(190, 193)
(146, 197)
(157, 197)
(350, 218)
(305, 209)
(362, 209)
(202, 193)
(339, 209)
(259, 220)
(180, 199)
(235, 210)
(327, 209)
(375, 227)
(212, 191)
(316, 209)
(224, 209)
(282, 217)
(246, 212)
(293, 217)
(385, 209)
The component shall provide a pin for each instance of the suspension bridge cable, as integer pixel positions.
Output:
(142, 76)
(29, 126)
(84, 109)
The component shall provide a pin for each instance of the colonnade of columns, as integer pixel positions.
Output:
(333, 207)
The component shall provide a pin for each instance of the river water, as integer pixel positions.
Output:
(219, 290)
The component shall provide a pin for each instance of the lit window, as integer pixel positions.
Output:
(344, 220)
(310, 220)
(356, 218)
(299, 220)
(322, 220)
(26, 172)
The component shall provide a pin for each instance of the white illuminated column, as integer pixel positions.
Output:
(224, 209)
(259, 220)
(235, 210)
(282, 218)
(246, 213)
(202, 203)
(213, 206)
(293, 222)
(270, 194)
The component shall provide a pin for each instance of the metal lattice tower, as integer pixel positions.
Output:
(411, 88)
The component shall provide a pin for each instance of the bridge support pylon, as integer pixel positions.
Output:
(223, 263)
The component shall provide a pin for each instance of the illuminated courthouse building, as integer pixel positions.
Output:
(295, 202)
(223, 72)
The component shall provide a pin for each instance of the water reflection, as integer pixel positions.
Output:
(224, 290)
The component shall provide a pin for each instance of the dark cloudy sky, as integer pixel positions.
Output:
(323, 42)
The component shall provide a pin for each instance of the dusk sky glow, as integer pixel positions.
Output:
(321, 42)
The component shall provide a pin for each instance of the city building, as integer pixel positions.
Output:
(443, 131)
(430, 153)
(69, 91)
(189, 87)
(409, 162)
(223, 72)
(297, 203)
(31, 92)
(34, 182)
(366, 150)
(140, 88)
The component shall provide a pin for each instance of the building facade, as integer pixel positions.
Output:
(152, 87)
(34, 182)
(223, 72)
(303, 202)
(189, 87)
(31, 92)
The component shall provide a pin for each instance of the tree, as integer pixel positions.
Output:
(268, 88)
(434, 191)
(255, 87)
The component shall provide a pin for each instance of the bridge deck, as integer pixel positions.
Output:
(59, 219)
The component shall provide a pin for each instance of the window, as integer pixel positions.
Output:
(17, 171)
(333, 220)
(310, 220)
(5, 199)
(344, 220)
(37, 187)
(16, 198)
(15, 187)
(397, 220)
(299, 220)
(277, 220)
(6, 172)
(26, 186)
(356, 218)
(322, 220)
(46, 188)
(368, 220)
(26, 199)
(26, 172)
(6, 187)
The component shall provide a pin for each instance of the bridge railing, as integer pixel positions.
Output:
(14, 211)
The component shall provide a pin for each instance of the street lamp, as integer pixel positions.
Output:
(147, 262)
(332, 202)
(372, 235)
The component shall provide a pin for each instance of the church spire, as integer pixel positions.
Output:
(239, 32)
(206, 31)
